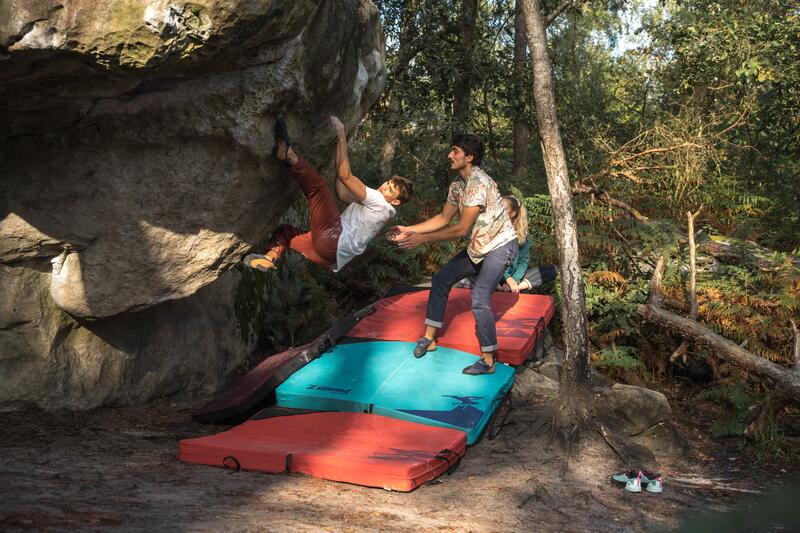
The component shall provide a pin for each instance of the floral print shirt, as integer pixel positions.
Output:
(492, 228)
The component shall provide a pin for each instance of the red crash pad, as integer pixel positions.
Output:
(359, 448)
(521, 320)
(254, 386)
(238, 401)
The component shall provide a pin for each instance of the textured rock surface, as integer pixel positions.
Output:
(528, 384)
(50, 360)
(135, 169)
(636, 408)
(663, 440)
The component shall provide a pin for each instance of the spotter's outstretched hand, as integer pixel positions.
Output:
(395, 232)
(410, 239)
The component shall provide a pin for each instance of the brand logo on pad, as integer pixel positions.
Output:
(325, 388)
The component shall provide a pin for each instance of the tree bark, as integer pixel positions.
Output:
(575, 370)
(785, 380)
(463, 84)
(520, 64)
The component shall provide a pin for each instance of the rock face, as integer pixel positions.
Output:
(136, 168)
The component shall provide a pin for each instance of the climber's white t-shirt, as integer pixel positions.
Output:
(361, 221)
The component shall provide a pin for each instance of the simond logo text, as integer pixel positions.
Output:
(325, 388)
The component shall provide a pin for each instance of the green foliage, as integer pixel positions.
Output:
(741, 59)
(623, 357)
(739, 411)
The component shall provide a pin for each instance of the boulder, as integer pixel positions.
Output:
(49, 360)
(137, 138)
(632, 409)
(550, 369)
(664, 440)
(137, 170)
(528, 384)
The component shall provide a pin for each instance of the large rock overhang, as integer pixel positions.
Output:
(135, 152)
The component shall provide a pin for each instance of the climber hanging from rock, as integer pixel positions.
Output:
(333, 239)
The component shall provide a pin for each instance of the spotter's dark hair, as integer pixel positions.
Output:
(472, 145)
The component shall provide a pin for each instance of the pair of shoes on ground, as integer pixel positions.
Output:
(635, 480)
(477, 368)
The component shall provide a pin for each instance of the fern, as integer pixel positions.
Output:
(728, 427)
(739, 409)
(623, 357)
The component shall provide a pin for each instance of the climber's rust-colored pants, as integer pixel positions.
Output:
(319, 244)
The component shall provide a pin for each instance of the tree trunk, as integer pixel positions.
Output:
(405, 53)
(390, 141)
(520, 64)
(463, 84)
(785, 380)
(575, 371)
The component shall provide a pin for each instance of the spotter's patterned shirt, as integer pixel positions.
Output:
(492, 228)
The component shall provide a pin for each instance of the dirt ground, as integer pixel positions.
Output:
(117, 469)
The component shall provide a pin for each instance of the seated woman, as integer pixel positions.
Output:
(518, 277)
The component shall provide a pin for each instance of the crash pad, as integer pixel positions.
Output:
(364, 449)
(520, 321)
(383, 377)
(237, 402)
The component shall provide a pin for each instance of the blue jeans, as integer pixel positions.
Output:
(487, 274)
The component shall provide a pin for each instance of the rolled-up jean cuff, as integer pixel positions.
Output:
(433, 323)
(487, 349)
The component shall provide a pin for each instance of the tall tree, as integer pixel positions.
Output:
(462, 91)
(520, 133)
(405, 53)
(575, 371)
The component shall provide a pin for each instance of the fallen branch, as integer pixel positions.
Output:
(655, 281)
(581, 188)
(731, 253)
(796, 353)
(680, 352)
(785, 380)
(651, 151)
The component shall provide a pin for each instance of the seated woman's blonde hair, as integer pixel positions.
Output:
(520, 218)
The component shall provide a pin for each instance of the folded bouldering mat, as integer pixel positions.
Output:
(235, 403)
(520, 321)
(383, 377)
(364, 449)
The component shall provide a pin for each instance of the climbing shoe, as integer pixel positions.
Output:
(478, 368)
(423, 347)
(282, 134)
(260, 262)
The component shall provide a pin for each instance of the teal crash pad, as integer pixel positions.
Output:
(384, 378)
